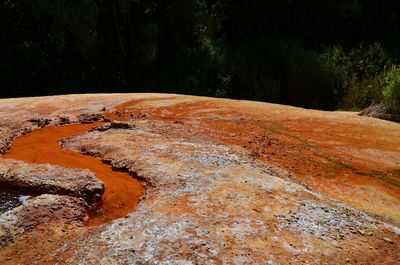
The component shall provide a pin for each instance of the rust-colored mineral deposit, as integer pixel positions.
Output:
(227, 182)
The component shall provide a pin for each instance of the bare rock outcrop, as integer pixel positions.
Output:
(40, 122)
(208, 203)
(380, 111)
(10, 130)
(89, 118)
(115, 125)
(37, 178)
(45, 209)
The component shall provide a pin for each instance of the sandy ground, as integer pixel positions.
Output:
(227, 181)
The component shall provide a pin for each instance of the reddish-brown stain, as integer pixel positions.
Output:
(122, 191)
(327, 154)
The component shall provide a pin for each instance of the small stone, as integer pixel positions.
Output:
(347, 260)
(8, 258)
(386, 239)
(361, 232)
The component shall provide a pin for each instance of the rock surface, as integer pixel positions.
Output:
(114, 125)
(380, 111)
(21, 115)
(38, 211)
(89, 118)
(231, 182)
(39, 225)
(208, 203)
(50, 179)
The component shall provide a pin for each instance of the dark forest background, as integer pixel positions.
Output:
(318, 54)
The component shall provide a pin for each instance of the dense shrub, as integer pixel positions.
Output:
(391, 90)
(281, 71)
(363, 74)
(317, 54)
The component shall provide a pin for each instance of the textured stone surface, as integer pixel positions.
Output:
(350, 158)
(21, 115)
(231, 182)
(50, 179)
(115, 125)
(208, 203)
(380, 111)
(44, 209)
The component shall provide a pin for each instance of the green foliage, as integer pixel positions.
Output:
(312, 82)
(309, 53)
(362, 73)
(391, 90)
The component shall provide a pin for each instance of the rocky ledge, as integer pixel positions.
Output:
(114, 125)
(45, 209)
(36, 178)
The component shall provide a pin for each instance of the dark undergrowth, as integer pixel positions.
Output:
(315, 54)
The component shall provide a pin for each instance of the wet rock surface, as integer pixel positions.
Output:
(9, 131)
(51, 179)
(10, 199)
(226, 185)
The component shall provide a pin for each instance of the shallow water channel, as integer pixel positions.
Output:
(11, 198)
(122, 191)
